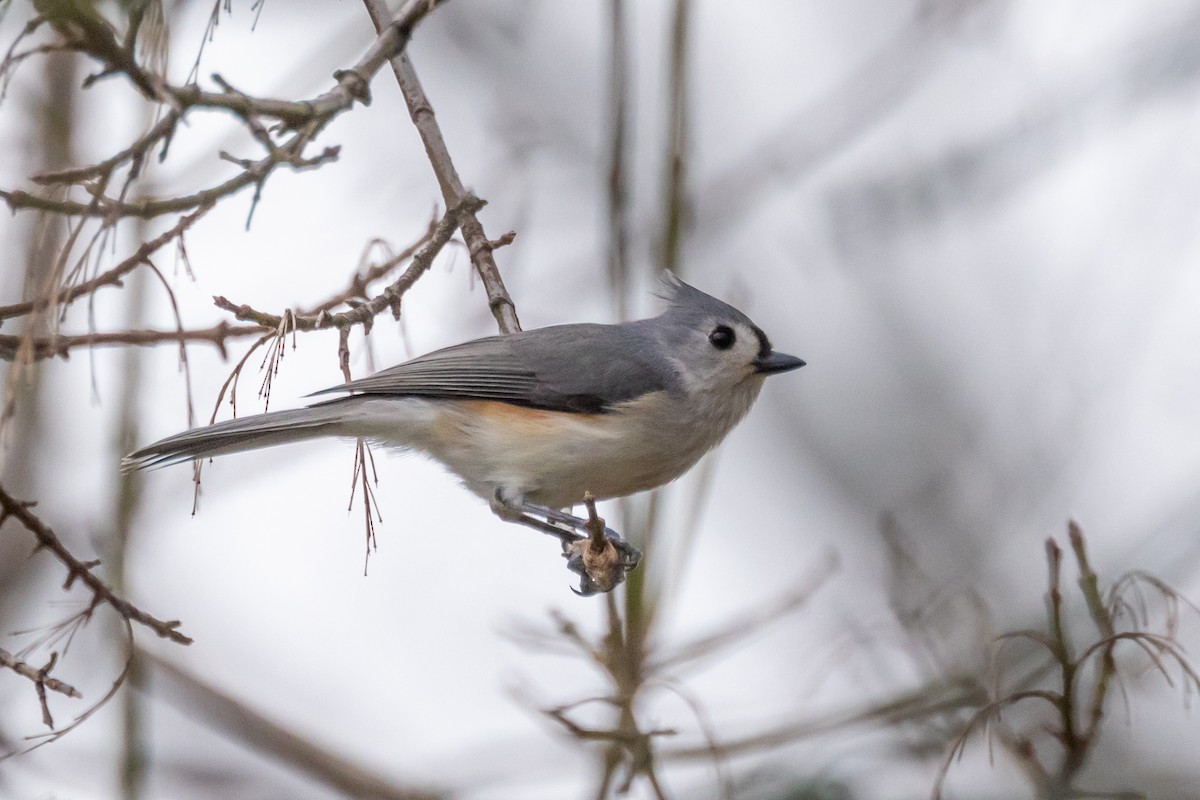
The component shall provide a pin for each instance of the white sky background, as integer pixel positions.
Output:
(977, 226)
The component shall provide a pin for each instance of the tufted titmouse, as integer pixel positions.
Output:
(534, 421)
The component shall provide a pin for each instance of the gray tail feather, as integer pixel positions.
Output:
(237, 435)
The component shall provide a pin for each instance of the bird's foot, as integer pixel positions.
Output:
(595, 552)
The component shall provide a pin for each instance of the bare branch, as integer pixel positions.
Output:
(357, 289)
(82, 571)
(84, 29)
(389, 298)
(254, 173)
(9, 661)
(41, 681)
(60, 346)
(419, 108)
(111, 277)
(160, 132)
(1079, 708)
(231, 717)
(118, 682)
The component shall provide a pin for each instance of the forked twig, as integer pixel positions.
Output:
(81, 571)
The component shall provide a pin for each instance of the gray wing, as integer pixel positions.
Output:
(583, 368)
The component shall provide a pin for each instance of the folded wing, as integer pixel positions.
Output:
(581, 368)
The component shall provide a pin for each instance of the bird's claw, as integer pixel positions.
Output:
(601, 567)
(593, 551)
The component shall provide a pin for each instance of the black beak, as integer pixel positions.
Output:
(774, 362)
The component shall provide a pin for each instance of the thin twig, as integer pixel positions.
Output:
(41, 681)
(1075, 737)
(60, 346)
(110, 277)
(134, 153)
(82, 571)
(254, 173)
(47, 738)
(357, 288)
(389, 298)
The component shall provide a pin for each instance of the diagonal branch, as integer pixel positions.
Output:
(478, 244)
(111, 277)
(389, 298)
(76, 569)
(204, 703)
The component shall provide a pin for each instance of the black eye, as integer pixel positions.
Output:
(722, 337)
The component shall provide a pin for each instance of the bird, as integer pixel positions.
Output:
(541, 420)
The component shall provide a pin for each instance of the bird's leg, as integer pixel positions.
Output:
(580, 526)
(528, 514)
(583, 528)
(529, 521)
(595, 552)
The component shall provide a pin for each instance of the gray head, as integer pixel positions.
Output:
(714, 345)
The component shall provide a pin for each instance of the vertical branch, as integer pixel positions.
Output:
(1089, 585)
(48, 142)
(677, 205)
(627, 644)
(127, 498)
(51, 146)
(643, 593)
(421, 112)
(1060, 642)
(618, 190)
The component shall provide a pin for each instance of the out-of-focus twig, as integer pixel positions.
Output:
(676, 202)
(753, 621)
(41, 681)
(210, 706)
(1077, 695)
(618, 189)
(635, 666)
(46, 738)
(937, 698)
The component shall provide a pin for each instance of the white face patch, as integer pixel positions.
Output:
(718, 356)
